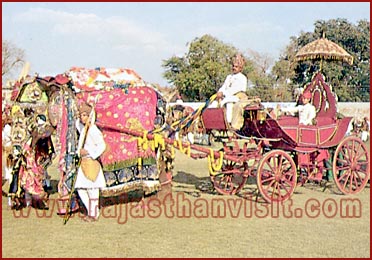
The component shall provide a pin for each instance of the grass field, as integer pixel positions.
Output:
(192, 220)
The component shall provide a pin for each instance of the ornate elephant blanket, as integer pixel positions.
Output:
(134, 109)
(122, 101)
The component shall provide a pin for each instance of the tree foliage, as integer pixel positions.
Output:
(202, 71)
(351, 83)
(12, 58)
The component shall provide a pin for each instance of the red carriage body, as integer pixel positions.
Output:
(288, 153)
(327, 131)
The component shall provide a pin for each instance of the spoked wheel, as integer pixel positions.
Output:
(230, 179)
(276, 176)
(351, 165)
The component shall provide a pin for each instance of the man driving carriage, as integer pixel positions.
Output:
(233, 92)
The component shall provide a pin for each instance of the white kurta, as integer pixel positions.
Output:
(95, 145)
(306, 113)
(234, 83)
(7, 144)
(6, 136)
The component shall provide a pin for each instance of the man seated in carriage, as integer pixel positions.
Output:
(306, 111)
(233, 91)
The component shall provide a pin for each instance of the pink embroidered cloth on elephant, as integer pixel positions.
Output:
(120, 105)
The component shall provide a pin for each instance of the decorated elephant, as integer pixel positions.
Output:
(122, 101)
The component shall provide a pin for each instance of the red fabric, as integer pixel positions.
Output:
(62, 79)
(307, 94)
(323, 155)
(15, 91)
(133, 108)
(123, 102)
(31, 176)
(324, 99)
(303, 159)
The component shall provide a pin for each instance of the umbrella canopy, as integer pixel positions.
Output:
(323, 49)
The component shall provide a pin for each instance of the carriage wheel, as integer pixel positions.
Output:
(230, 179)
(351, 165)
(276, 176)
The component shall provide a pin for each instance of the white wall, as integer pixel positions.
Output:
(359, 109)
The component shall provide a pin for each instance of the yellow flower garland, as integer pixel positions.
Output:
(213, 166)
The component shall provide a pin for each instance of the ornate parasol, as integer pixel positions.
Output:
(323, 49)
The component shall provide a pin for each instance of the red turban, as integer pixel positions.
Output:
(307, 94)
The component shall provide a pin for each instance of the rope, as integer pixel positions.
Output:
(187, 121)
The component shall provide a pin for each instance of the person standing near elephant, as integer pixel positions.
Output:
(7, 144)
(7, 153)
(90, 176)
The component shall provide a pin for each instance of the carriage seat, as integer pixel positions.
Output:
(324, 101)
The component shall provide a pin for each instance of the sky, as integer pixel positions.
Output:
(140, 35)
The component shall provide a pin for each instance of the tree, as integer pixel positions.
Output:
(351, 83)
(13, 58)
(202, 71)
(265, 85)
